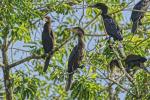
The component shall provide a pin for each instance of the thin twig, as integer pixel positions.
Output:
(97, 35)
(19, 49)
(140, 43)
(82, 14)
(120, 86)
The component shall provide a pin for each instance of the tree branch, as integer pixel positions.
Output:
(140, 43)
(125, 89)
(25, 60)
(17, 49)
(122, 68)
(37, 56)
(82, 14)
(1, 65)
(6, 74)
(99, 35)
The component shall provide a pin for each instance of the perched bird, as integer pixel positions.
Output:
(111, 26)
(136, 15)
(114, 69)
(47, 41)
(76, 55)
(114, 63)
(135, 60)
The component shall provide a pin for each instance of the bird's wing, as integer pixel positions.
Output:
(47, 41)
(72, 58)
(112, 28)
(138, 6)
(51, 34)
(132, 58)
(137, 15)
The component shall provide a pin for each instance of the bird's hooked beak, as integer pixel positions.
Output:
(77, 31)
(47, 19)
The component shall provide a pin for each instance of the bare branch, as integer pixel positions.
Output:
(19, 49)
(82, 14)
(125, 89)
(37, 56)
(99, 35)
(25, 60)
(135, 10)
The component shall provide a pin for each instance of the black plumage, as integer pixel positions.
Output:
(47, 41)
(76, 56)
(111, 26)
(114, 63)
(138, 13)
(134, 60)
(114, 69)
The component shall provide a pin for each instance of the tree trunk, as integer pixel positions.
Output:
(6, 73)
(110, 91)
(7, 84)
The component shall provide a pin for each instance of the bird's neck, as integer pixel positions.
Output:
(80, 41)
(47, 26)
(105, 16)
(104, 11)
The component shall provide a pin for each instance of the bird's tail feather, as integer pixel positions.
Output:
(46, 63)
(134, 27)
(69, 82)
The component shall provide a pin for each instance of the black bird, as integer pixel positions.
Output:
(111, 26)
(114, 69)
(135, 60)
(136, 16)
(47, 41)
(76, 55)
(114, 63)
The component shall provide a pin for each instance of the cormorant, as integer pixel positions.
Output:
(76, 55)
(47, 41)
(114, 69)
(114, 63)
(135, 60)
(111, 26)
(136, 16)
